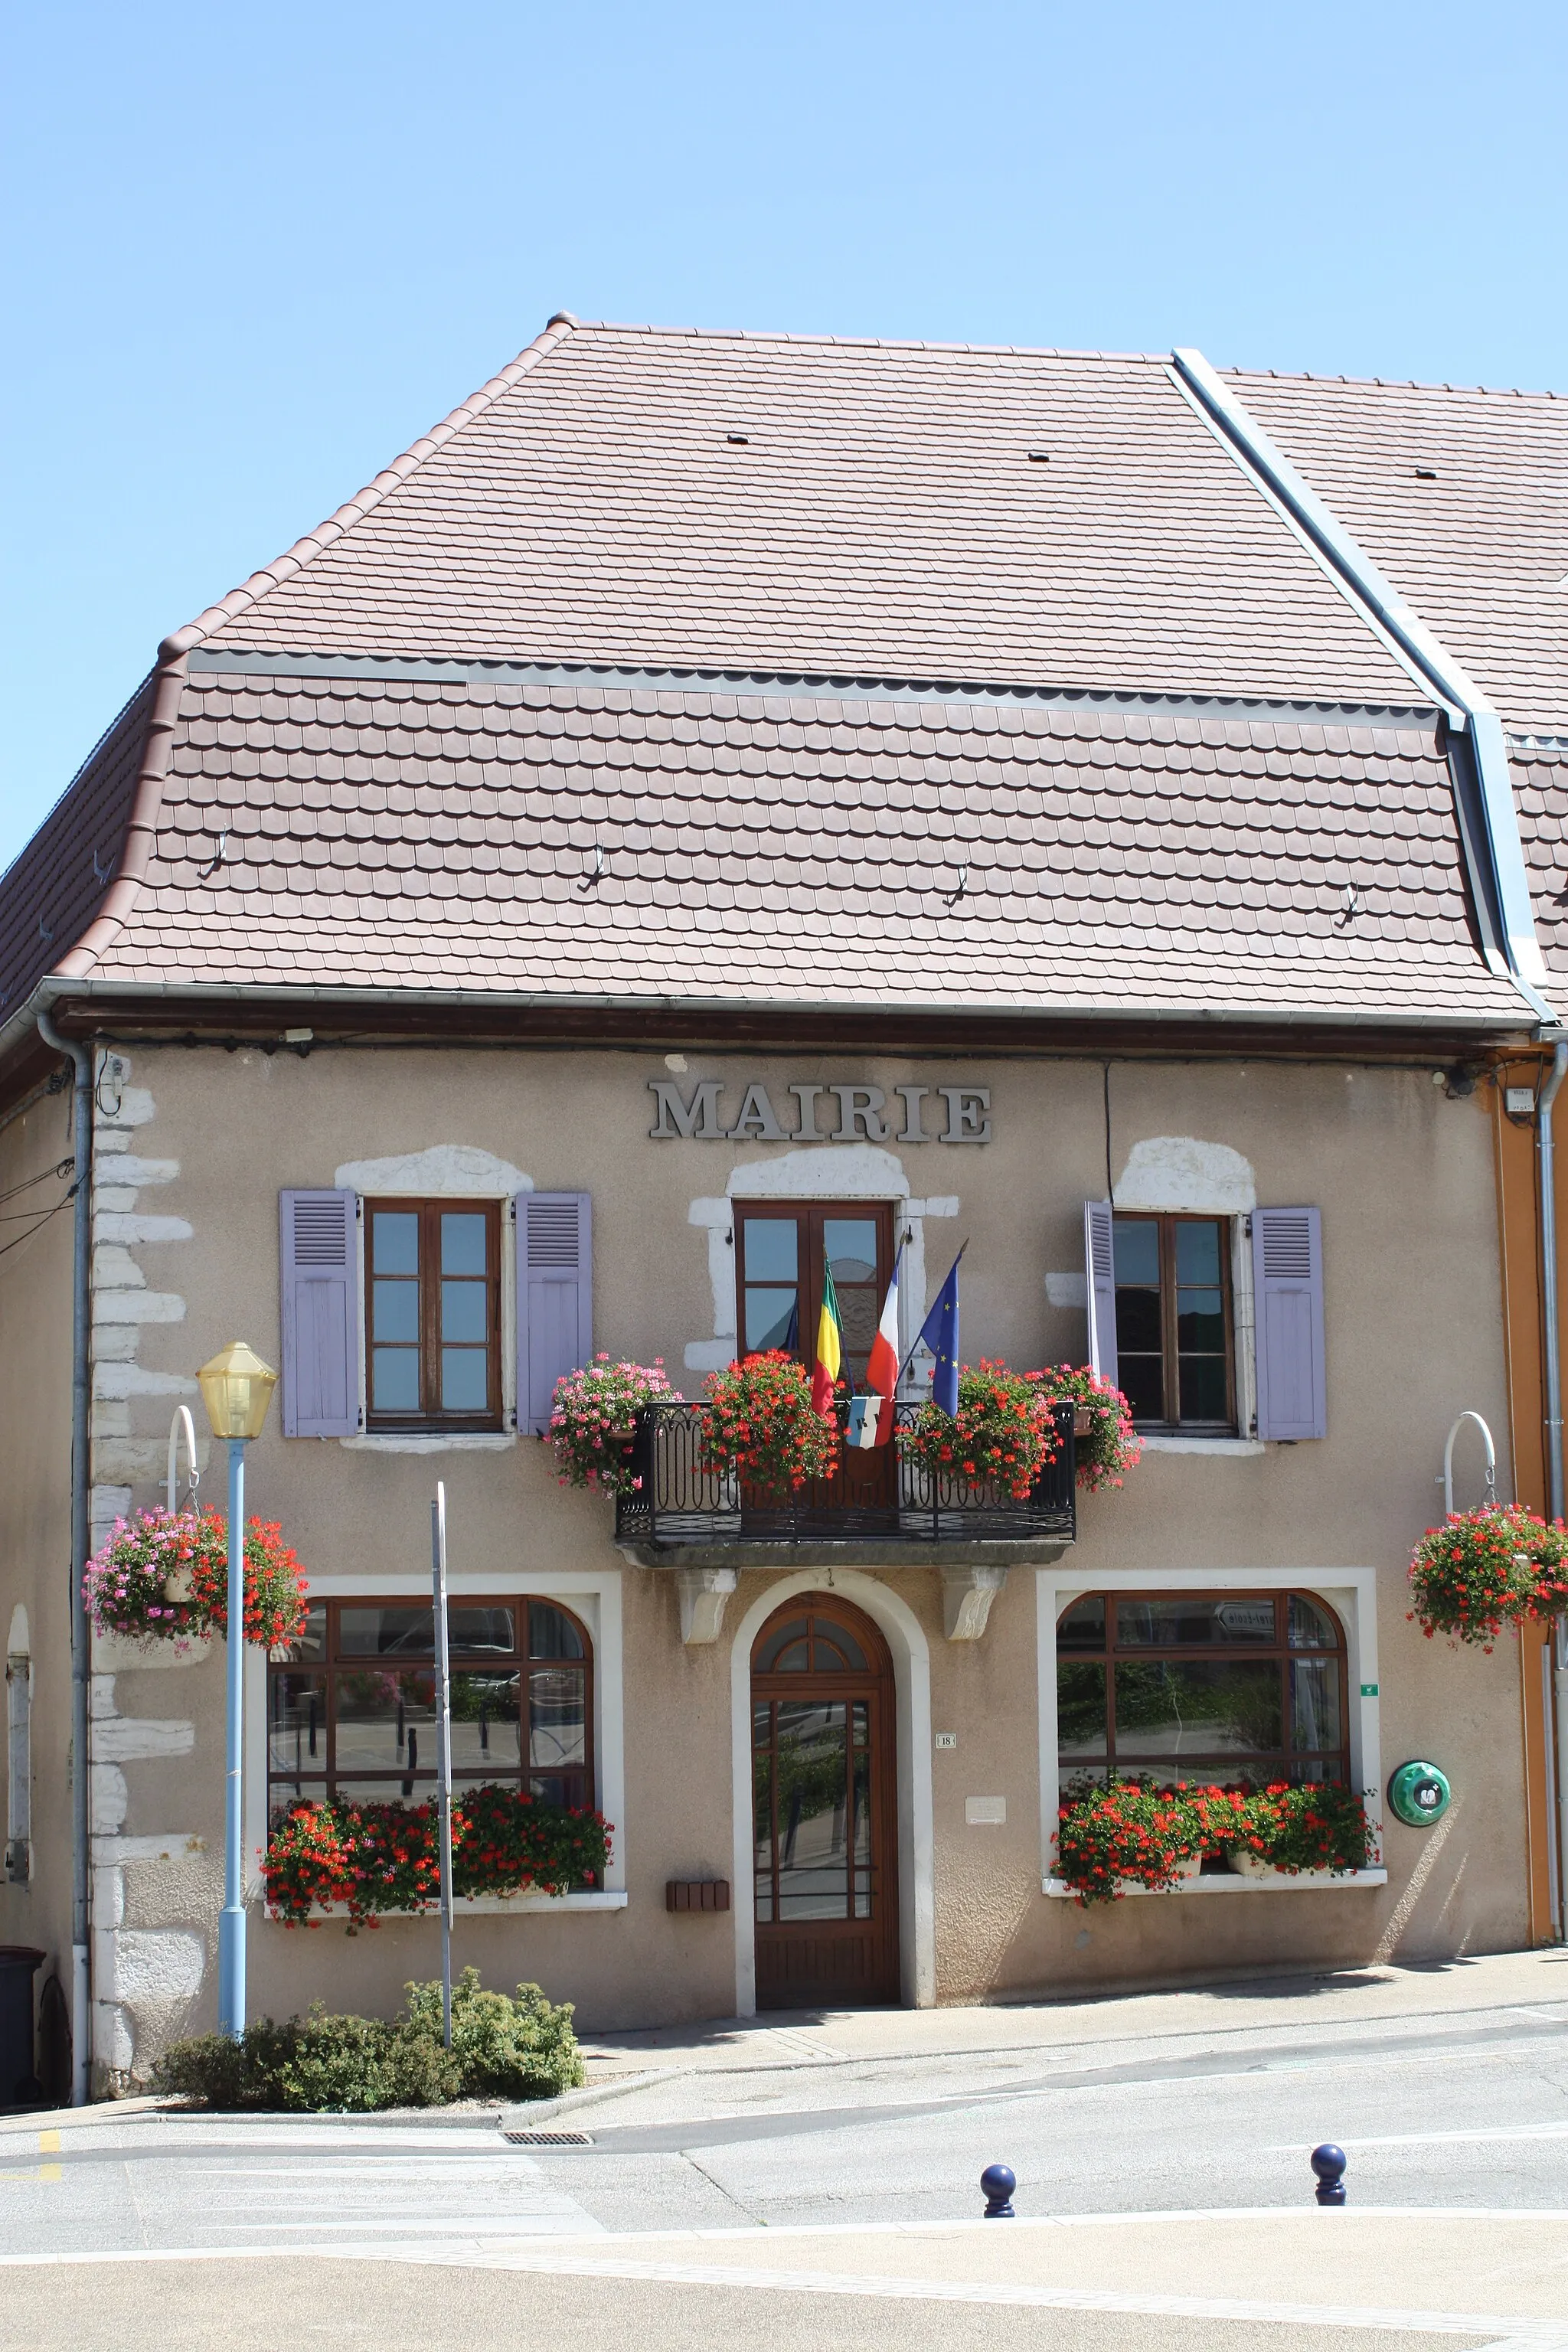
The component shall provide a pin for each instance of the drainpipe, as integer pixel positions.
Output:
(1555, 1449)
(81, 1193)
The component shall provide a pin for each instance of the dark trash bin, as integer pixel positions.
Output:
(19, 2085)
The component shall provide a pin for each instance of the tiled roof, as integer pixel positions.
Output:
(581, 840)
(1481, 548)
(55, 888)
(1541, 789)
(668, 499)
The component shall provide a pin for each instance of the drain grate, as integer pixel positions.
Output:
(548, 2140)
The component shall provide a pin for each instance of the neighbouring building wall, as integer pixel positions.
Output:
(194, 1147)
(36, 1243)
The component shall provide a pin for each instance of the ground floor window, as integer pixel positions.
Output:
(352, 1709)
(1228, 1686)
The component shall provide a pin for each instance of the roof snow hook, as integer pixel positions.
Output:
(1448, 1464)
(218, 858)
(952, 897)
(1349, 906)
(597, 870)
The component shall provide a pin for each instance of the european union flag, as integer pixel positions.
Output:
(939, 1332)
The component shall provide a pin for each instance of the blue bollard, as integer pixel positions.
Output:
(1329, 2164)
(998, 2181)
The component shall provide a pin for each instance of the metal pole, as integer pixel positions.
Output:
(231, 1923)
(442, 1745)
(1548, 1313)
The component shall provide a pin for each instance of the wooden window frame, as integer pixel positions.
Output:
(334, 1664)
(1177, 1768)
(1172, 1422)
(809, 1218)
(430, 1213)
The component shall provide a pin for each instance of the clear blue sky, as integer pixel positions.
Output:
(252, 253)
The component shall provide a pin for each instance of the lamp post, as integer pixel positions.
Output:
(237, 1388)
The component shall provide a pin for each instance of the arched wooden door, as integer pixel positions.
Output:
(824, 1808)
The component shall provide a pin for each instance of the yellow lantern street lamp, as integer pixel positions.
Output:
(237, 1388)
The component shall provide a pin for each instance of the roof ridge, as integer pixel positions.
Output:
(857, 343)
(294, 559)
(1385, 382)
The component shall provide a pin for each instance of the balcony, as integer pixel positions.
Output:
(884, 1506)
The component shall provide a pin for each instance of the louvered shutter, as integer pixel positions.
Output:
(1287, 1287)
(320, 1315)
(1100, 1268)
(554, 1296)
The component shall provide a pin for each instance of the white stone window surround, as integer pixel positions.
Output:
(910, 1654)
(1350, 1592)
(453, 1171)
(593, 1594)
(828, 1172)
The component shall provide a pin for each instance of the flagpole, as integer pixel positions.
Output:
(443, 1745)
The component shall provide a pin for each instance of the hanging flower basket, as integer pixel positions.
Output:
(593, 1419)
(1108, 1446)
(377, 1858)
(1482, 1570)
(1001, 1434)
(761, 1427)
(164, 1577)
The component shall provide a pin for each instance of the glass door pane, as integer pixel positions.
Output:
(812, 1745)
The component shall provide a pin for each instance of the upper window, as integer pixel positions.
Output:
(1174, 1322)
(782, 1249)
(352, 1710)
(433, 1286)
(1228, 1687)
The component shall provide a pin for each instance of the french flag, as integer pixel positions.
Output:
(882, 1366)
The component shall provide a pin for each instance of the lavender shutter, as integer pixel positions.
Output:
(1288, 1285)
(554, 1296)
(320, 1315)
(1100, 1268)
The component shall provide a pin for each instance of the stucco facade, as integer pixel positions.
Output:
(193, 1150)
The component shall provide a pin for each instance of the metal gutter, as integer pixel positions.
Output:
(81, 1058)
(1544, 1108)
(1510, 879)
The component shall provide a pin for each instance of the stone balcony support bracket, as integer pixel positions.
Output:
(704, 1594)
(966, 1597)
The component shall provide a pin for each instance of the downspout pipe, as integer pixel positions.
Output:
(1554, 1446)
(1452, 682)
(81, 1659)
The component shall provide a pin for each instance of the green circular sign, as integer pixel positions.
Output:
(1419, 1795)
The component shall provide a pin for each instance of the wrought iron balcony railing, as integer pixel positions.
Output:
(882, 1496)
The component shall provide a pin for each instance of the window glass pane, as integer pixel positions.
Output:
(468, 1628)
(1311, 1628)
(395, 1240)
(486, 1732)
(465, 1314)
(382, 1632)
(763, 1802)
(849, 1246)
(557, 1715)
(398, 1790)
(1315, 1703)
(386, 1719)
(396, 1305)
(394, 1380)
(837, 1650)
(1203, 1388)
(773, 1249)
(1197, 1253)
(812, 1792)
(1141, 1379)
(552, 1633)
(1080, 1706)
(1136, 1243)
(769, 1314)
(785, 1650)
(1181, 1622)
(462, 1242)
(1167, 1708)
(1200, 1322)
(297, 1722)
(311, 1642)
(1083, 1625)
(465, 1379)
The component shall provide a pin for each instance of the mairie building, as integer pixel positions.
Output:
(722, 816)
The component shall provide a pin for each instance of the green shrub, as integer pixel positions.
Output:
(502, 2048)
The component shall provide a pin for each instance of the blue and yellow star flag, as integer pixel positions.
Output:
(940, 1334)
